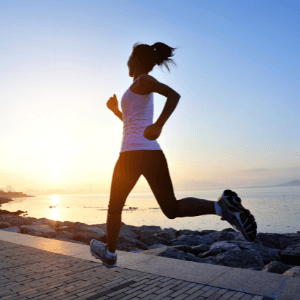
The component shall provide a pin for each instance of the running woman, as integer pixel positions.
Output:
(142, 155)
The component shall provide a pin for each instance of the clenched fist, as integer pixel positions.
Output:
(112, 103)
(152, 132)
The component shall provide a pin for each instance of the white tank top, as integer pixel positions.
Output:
(137, 113)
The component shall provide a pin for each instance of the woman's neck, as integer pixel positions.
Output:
(137, 75)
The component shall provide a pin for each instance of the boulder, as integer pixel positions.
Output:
(245, 259)
(38, 230)
(267, 254)
(184, 248)
(127, 244)
(168, 234)
(128, 233)
(146, 231)
(85, 236)
(4, 225)
(196, 250)
(275, 267)
(192, 240)
(277, 240)
(156, 246)
(186, 232)
(15, 220)
(65, 235)
(178, 254)
(291, 255)
(294, 272)
(12, 229)
(153, 239)
(224, 246)
(226, 236)
(287, 240)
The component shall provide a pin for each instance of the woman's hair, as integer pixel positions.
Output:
(149, 56)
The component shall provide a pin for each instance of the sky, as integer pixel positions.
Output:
(237, 71)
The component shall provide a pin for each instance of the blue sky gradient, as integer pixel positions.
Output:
(237, 122)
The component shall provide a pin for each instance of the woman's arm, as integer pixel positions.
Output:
(150, 84)
(153, 86)
(112, 104)
(119, 115)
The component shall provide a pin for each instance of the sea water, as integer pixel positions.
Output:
(276, 209)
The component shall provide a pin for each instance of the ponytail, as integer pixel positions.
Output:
(162, 52)
(149, 56)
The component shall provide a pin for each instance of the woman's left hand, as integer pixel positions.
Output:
(152, 132)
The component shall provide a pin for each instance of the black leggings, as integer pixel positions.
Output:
(153, 165)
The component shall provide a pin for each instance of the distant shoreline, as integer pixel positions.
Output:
(6, 197)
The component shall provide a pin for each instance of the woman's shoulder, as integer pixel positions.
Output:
(146, 83)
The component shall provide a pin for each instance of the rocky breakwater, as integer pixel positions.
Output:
(271, 252)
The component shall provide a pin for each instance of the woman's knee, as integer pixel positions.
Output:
(117, 210)
(171, 212)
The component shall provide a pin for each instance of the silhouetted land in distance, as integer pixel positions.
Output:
(287, 184)
(291, 183)
(5, 197)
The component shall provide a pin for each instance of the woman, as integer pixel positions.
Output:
(141, 155)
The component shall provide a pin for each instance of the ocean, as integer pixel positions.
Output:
(276, 209)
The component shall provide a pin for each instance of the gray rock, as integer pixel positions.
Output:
(128, 233)
(289, 240)
(15, 220)
(177, 254)
(146, 231)
(38, 230)
(86, 236)
(226, 236)
(294, 272)
(196, 250)
(152, 240)
(214, 235)
(184, 248)
(168, 234)
(127, 244)
(224, 246)
(156, 251)
(12, 229)
(291, 255)
(156, 246)
(192, 240)
(65, 235)
(244, 259)
(4, 225)
(189, 240)
(95, 229)
(186, 232)
(210, 253)
(267, 254)
(275, 267)
(204, 240)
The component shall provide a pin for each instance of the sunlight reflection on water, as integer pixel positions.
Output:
(272, 211)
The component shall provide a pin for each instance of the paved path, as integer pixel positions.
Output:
(30, 273)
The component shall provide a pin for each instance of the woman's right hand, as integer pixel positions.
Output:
(112, 103)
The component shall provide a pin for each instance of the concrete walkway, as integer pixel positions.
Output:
(40, 268)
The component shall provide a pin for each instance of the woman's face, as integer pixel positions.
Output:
(130, 65)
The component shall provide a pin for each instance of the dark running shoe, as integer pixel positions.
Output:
(98, 250)
(237, 216)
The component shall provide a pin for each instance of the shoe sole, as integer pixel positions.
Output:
(233, 202)
(245, 223)
(104, 263)
(234, 206)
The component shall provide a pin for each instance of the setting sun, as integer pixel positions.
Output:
(54, 200)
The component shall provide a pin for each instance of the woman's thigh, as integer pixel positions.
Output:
(126, 174)
(157, 174)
